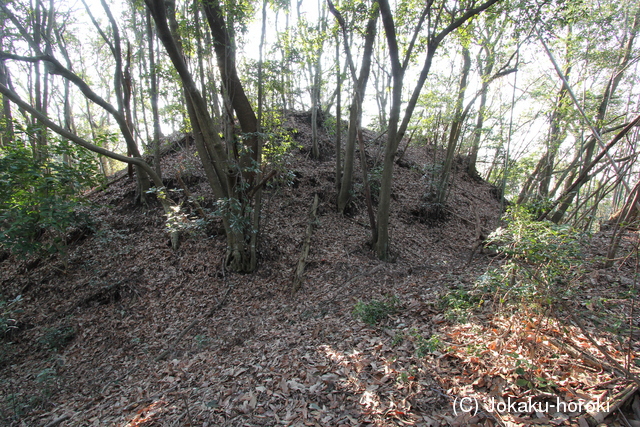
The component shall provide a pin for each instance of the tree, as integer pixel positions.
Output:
(359, 86)
(43, 52)
(454, 130)
(439, 25)
(231, 166)
(490, 35)
(624, 56)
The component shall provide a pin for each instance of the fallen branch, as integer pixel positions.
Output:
(596, 418)
(106, 185)
(614, 363)
(58, 420)
(298, 275)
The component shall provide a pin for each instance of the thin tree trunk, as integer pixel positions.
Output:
(225, 54)
(627, 46)
(154, 98)
(442, 191)
(355, 114)
(7, 135)
(338, 116)
(257, 205)
(396, 128)
(315, 105)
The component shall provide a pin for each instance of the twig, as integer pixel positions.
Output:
(58, 420)
(603, 350)
(186, 404)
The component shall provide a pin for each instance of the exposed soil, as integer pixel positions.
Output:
(98, 337)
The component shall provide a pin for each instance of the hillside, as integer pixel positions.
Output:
(125, 331)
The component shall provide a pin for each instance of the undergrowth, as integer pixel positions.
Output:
(40, 192)
(375, 311)
(541, 262)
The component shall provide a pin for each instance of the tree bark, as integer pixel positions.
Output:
(157, 134)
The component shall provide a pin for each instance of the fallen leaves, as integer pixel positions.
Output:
(268, 358)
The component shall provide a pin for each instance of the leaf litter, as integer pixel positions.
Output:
(241, 350)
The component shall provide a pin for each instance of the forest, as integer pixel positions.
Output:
(322, 213)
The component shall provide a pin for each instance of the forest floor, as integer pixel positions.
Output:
(125, 331)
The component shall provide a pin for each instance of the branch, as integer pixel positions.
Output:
(345, 37)
(76, 139)
(464, 18)
(117, 55)
(262, 183)
(407, 56)
(431, 49)
(585, 173)
(594, 131)
(55, 67)
(102, 34)
(479, 92)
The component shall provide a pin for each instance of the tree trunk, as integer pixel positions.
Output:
(396, 129)
(485, 71)
(355, 113)
(338, 116)
(231, 179)
(544, 168)
(157, 134)
(627, 49)
(225, 53)
(442, 191)
(315, 105)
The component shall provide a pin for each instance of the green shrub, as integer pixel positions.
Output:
(57, 338)
(459, 302)
(374, 311)
(424, 346)
(41, 193)
(542, 258)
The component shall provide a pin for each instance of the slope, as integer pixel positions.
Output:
(125, 331)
